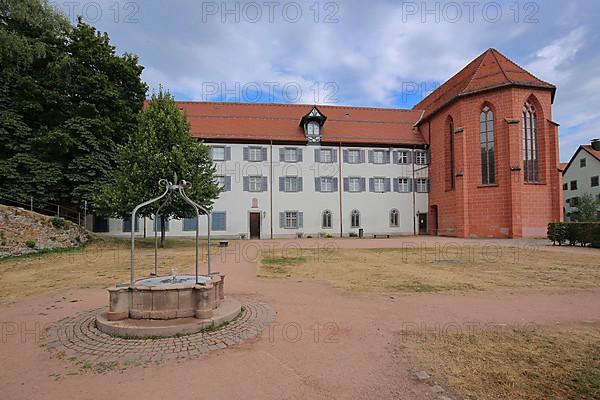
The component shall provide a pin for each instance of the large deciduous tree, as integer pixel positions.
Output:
(161, 147)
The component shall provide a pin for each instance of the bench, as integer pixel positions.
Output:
(381, 236)
(223, 243)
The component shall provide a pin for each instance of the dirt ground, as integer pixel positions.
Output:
(353, 355)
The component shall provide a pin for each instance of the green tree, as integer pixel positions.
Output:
(67, 100)
(587, 209)
(161, 147)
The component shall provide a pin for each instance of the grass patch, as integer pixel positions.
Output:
(516, 364)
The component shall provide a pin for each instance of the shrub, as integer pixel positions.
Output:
(576, 233)
(58, 222)
(30, 243)
(353, 234)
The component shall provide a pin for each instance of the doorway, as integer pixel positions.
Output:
(255, 225)
(434, 220)
(422, 223)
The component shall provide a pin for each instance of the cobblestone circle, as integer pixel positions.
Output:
(76, 337)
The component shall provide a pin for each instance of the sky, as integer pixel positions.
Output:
(363, 53)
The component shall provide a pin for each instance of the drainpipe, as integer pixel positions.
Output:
(271, 190)
(340, 188)
(412, 159)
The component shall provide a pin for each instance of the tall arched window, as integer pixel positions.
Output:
(451, 155)
(326, 219)
(530, 146)
(355, 219)
(394, 218)
(486, 134)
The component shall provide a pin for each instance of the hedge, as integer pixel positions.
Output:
(575, 233)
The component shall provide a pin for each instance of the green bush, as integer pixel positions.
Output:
(58, 222)
(30, 243)
(576, 233)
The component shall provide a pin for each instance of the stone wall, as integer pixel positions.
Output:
(25, 232)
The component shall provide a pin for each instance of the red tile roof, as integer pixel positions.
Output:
(281, 122)
(590, 149)
(488, 71)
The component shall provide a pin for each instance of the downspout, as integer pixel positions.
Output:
(340, 188)
(271, 190)
(414, 209)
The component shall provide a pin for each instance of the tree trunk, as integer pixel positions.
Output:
(162, 231)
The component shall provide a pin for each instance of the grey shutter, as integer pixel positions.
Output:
(362, 156)
(264, 184)
(396, 185)
(371, 184)
(317, 184)
(335, 184)
(414, 185)
(246, 184)
(371, 156)
(210, 153)
(395, 157)
(410, 185)
(282, 183)
(363, 184)
(317, 155)
(227, 183)
(282, 219)
(345, 155)
(409, 158)
(346, 184)
(246, 153)
(227, 153)
(386, 156)
(299, 186)
(427, 156)
(334, 155)
(428, 185)
(264, 154)
(298, 154)
(300, 220)
(281, 153)
(387, 184)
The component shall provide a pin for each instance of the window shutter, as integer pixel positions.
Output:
(334, 155)
(409, 157)
(396, 185)
(386, 157)
(264, 154)
(362, 156)
(427, 156)
(395, 157)
(414, 186)
(410, 185)
(387, 184)
(246, 153)
(210, 153)
(246, 184)
(282, 183)
(264, 184)
(428, 185)
(227, 183)
(371, 184)
(345, 155)
(228, 153)
(282, 219)
(363, 184)
(317, 155)
(335, 184)
(346, 184)
(317, 184)
(281, 153)
(300, 219)
(371, 156)
(298, 154)
(299, 183)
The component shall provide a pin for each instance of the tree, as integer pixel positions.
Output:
(66, 101)
(587, 209)
(161, 146)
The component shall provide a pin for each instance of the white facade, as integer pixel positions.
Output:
(283, 190)
(581, 176)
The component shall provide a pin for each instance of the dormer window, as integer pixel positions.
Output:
(313, 125)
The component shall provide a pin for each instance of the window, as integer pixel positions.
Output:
(379, 157)
(582, 163)
(290, 154)
(326, 220)
(220, 179)
(189, 224)
(394, 218)
(402, 157)
(255, 184)
(403, 185)
(421, 185)
(313, 129)
(355, 219)
(565, 186)
(218, 153)
(574, 201)
(291, 219)
(127, 224)
(325, 155)
(354, 184)
(291, 184)
(451, 154)
(218, 221)
(157, 223)
(573, 185)
(420, 157)
(354, 156)
(594, 181)
(255, 154)
(486, 139)
(379, 185)
(100, 224)
(326, 184)
(530, 145)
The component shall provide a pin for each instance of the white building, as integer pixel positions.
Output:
(300, 170)
(581, 176)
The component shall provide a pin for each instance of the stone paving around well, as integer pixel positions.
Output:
(76, 337)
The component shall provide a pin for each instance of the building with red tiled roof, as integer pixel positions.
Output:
(581, 175)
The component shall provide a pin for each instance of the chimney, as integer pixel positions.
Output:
(596, 144)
